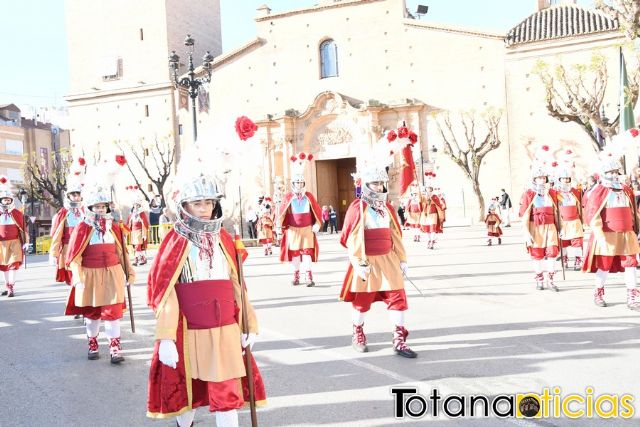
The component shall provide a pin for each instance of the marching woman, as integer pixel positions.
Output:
(13, 237)
(100, 270)
(196, 291)
(138, 223)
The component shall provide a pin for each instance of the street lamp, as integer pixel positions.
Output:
(433, 154)
(191, 82)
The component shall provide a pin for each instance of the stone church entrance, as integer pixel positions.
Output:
(335, 184)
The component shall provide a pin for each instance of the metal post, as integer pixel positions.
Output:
(240, 209)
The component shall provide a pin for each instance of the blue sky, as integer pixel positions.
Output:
(34, 66)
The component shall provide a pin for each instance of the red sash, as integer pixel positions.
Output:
(299, 219)
(569, 213)
(415, 208)
(207, 303)
(377, 241)
(491, 222)
(9, 232)
(543, 215)
(101, 255)
(137, 225)
(66, 234)
(432, 208)
(617, 219)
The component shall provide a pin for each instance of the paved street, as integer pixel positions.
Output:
(482, 329)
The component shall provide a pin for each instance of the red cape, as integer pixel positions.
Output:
(527, 199)
(316, 210)
(171, 391)
(351, 219)
(58, 219)
(143, 217)
(77, 243)
(593, 206)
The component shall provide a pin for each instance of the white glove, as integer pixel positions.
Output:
(404, 267)
(248, 340)
(25, 246)
(315, 228)
(528, 240)
(168, 353)
(362, 271)
(53, 261)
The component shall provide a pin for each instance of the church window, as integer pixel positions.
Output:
(328, 59)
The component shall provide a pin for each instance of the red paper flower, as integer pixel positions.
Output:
(3, 179)
(302, 156)
(310, 157)
(545, 148)
(77, 173)
(121, 159)
(391, 136)
(135, 187)
(293, 158)
(413, 137)
(554, 164)
(82, 161)
(391, 153)
(245, 128)
(569, 152)
(634, 132)
(403, 132)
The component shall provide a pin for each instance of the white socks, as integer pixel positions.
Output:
(185, 420)
(357, 317)
(93, 327)
(295, 262)
(397, 317)
(537, 266)
(601, 276)
(630, 277)
(306, 262)
(112, 328)
(550, 265)
(227, 418)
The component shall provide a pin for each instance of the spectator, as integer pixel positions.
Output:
(155, 209)
(401, 215)
(166, 221)
(325, 218)
(333, 219)
(505, 204)
(252, 219)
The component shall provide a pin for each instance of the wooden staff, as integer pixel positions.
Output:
(247, 351)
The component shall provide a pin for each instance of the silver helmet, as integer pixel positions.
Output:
(369, 174)
(99, 193)
(200, 187)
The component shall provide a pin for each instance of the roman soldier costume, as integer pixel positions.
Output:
(100, 268)
(13, 237)
(493, 221)
(413, 210)
(63, 223)
(432, 219)
(570, 205)
(539, 213)
(372, 235)
(265, 226)
(138, 223)
(300, 218)
(613, 247)
(196, 293)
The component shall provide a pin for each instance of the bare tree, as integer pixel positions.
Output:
(155, 160)
(627, 12)
(48, 186)
(468, 150)
(576, 93)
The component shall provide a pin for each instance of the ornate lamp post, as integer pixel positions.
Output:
(191, 82)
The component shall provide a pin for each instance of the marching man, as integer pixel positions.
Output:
(413, 210)
(14, 240)
(432, 219)
(613, 247)
(265, 226)
(570, 204)
(493, 221)
(100, 269)
(62, 225)
(377, 260)
(538, 211)
(198, 356)
(138, 223)
(300, 218)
